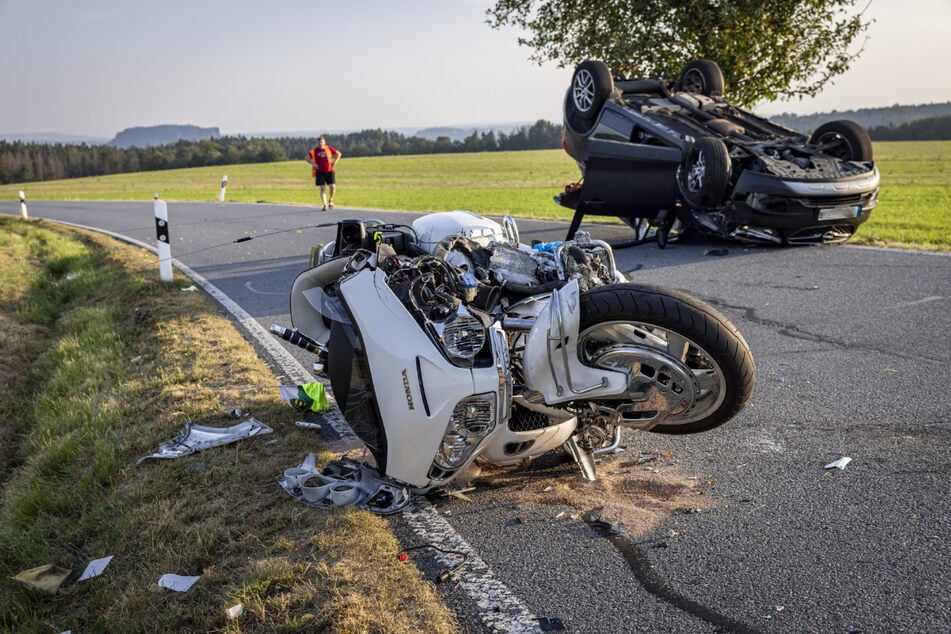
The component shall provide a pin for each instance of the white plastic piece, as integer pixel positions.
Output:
(95, 568)
(839, 464)
(178, 583)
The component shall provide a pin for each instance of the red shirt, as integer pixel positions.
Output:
(321, 156)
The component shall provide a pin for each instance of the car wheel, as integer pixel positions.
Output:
(702, 76)
(705, 172)
(590, 86)
(843, 139)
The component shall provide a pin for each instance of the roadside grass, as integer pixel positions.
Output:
(914, 197)
(101, 363)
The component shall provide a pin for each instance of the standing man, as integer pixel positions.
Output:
(322, 159)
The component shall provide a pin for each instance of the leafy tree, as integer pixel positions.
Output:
(779, 48)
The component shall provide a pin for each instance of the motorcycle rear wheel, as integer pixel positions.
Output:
(691, 344)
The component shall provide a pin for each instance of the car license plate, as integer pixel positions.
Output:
(843, 211)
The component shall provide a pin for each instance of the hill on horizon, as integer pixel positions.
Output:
(888, 116)
(147, 136)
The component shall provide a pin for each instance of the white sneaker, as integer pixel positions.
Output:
(331, 204)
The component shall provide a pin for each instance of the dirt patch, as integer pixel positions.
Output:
(632, 495)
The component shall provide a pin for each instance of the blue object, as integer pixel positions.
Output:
(547, 246)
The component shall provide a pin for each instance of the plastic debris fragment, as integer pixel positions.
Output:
(345, 482)
(234, 611)
(198, 437)
(178, 583)
(95, 568)
(839, 464)
(47, 578)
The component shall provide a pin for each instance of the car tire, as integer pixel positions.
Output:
(845, 140)
(702, 76)
(705, 173)
(591, 84)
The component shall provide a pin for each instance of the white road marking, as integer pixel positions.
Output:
(251, 288)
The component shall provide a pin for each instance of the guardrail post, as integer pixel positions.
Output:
(161, 236)
(23, 213)
(224, 186)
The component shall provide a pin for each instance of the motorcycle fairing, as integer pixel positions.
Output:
(415, 386)
(309, 301)
(552, 365)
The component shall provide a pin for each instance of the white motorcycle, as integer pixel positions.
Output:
(450, 341)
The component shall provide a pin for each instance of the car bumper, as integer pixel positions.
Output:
(771, 209)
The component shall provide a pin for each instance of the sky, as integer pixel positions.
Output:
(95, 67)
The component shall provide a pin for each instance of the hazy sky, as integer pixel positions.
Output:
(95, 67)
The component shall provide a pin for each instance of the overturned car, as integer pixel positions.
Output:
(665, 155)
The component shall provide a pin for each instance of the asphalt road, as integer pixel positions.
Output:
(852, 352)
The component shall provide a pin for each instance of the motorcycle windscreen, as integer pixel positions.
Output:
(326, 305)
(353, 390)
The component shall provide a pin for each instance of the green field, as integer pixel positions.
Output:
(914, 199)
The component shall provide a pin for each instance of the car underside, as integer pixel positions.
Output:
(655, 152)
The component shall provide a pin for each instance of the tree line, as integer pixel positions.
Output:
(29, 162)
(930, 129)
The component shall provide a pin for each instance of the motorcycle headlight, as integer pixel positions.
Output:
(464, 336)
(473, 418)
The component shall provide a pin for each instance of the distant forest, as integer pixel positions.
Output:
(28, 162)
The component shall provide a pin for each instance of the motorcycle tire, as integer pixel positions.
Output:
(624, 319)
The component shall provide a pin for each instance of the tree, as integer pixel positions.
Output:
(780, 48)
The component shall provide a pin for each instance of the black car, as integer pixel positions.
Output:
(662, 154)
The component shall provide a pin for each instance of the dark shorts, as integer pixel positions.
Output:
(325, 178)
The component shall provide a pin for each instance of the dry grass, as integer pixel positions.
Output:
(119, 362)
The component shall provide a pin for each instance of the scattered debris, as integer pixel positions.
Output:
(178, 583)
(72, 276)
(191, 288)
(457, 493)
(548, 488)
(307, 397)
(234, 612)
(839, 464)
(445, 574)
(344, 482)
(47, 578)
(198, 437)
(95, 568)
(306, 425)
(717, 252)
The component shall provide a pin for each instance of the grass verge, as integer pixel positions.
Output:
(101, 363)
